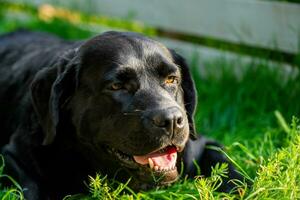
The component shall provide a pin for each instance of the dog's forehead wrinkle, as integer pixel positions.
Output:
(154, 56)
(126, 72)
(132, 62)
(147, 49)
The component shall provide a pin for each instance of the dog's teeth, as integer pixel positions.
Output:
(151, 164)
(156, 168)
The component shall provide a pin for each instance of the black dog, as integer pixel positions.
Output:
(120, 104)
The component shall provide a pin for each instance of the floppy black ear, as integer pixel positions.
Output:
(50, 90)
(188, 86)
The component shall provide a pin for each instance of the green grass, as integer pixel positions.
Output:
(247, 114)
(11, 193)
(69, 25)
(279, 177)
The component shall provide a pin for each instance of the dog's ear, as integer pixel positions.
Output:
(51, 88)
(188, 86)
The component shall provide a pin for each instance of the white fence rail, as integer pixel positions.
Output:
(266, 24)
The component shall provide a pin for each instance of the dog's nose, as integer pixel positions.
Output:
(170, 119)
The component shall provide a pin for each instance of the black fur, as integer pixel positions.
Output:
(61, 113)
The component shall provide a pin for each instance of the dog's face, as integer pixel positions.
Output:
(131, 104)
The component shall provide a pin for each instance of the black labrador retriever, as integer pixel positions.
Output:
(120, 104)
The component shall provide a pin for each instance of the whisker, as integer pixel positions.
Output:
(130, 113)
(134, 112)
(137, 110)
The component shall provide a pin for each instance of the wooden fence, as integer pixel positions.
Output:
(255, 23)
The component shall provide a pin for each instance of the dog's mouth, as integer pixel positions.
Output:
(163, 160)
(160, 163)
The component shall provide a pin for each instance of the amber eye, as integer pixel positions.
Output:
(116, 86)
(171, 80)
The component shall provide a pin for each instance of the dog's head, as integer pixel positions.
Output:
(130, 101)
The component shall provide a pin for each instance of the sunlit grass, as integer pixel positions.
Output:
(279, 176)
(63, 22)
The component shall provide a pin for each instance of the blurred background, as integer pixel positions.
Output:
(243, 54)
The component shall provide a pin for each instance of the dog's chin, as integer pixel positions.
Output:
(158, 168)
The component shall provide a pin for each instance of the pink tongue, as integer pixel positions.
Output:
(166, 159)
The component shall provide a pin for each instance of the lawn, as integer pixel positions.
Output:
(251, 114)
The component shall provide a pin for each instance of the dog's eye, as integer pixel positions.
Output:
(171, 80)
(116, 86)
